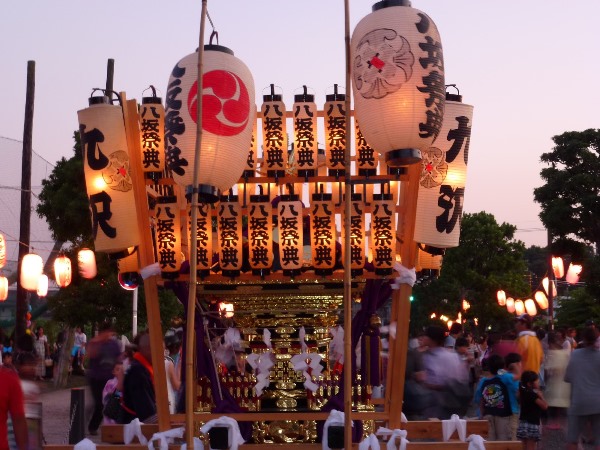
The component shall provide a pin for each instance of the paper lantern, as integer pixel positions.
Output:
(530, 307)
(558, 267)
(358, 240)
(573, 273)
(398, 81)
(204, 238)
(152, 129)
(383, 233)
(335, 133)
(32, 267)
(443, 179)
(306, 147)
(541, 299)
(366, 158)
(291, 234)
(274, 134)
(226, 310)
(252, 158)
(42, 287)
(549, 287)
(260, 234)
(510, 305)
(465, 305)
(519, 307)
(228, 113)
(427, 261)
(62, 271)
(501, 296)
(86, 263)
(107, 178)
(2, 251)
(3, 288)
(229, 228)
(322, 233)
(168, 236)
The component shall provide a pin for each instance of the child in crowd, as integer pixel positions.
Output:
(532, 405)
(511, 376)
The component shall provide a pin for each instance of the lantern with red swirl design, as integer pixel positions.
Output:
(398, 81)
(228, 113)
(62, 270)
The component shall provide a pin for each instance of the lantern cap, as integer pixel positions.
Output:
(305, 96)
(99, 100)
(166, 199)
(387, 3)
(453, 97)
(435, 251)
(122, 254)
(322, 196)
(217, 48)
(151, 101)
(206, 192)
(403, 157)
(259, 198)
(334, 97)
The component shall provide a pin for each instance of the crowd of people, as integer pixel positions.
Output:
(521, 381)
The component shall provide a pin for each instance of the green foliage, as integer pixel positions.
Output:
(576, 308)
(488, 258)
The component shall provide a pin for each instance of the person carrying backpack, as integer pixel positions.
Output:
(492, 396)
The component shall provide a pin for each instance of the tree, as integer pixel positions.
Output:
(487, 259)
(577, 308)
(570, 200)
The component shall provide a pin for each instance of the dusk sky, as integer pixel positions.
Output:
(530, 69)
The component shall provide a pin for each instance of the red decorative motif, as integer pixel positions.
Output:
(225, 103)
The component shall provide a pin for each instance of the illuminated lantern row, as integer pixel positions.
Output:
(501, 296)
(228, 113)
(3, 288)
(274, 134)
(152, 129)
(107, 178)
(306, 147)
(398, 81)
(62, 271)
(443, 179)
(168, 236)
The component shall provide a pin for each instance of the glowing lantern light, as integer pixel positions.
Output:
(322, 233)
(152, 126)
(357, 236)
(558, 267)
(204, 237)
(573, 273)
(230, 235)
(168, 236)
(3, 288)
(501, 296)
(2, 251)
(541, 299)
(42, 287)
(335, 132)
(398, 81)
(432, 316)
(427, 261)
(274, 134)
(519, 307)
(226, 310)
(549, 287)
(260, 235)
(510, 305)
(108, 178)
(291, 234)
(306, 147)
(443, 318)
(366, 158)
(62, 271)
(32, 267)
(465, 305)
(383, 232)
(449, 323)
(228, 113)
(86, 263)
(530, 307)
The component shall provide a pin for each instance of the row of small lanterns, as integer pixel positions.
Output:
(530, 306)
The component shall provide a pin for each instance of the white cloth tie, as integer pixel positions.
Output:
(454, 423)
(335, 418)
(85, 444)
(476, 442)
(394, 434)
(370, 442)
(234, 436)
(133, 429)
(405, 276)
(163, 437)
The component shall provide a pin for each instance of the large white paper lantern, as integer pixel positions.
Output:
(398, 81)
(168, 236)
(443, 179)
(42, 287)
(3, 288)
(228, 113)
(108, 178)
(2, 251)
(86, 263)
(152, 130)
(32, 267)
(62, 270)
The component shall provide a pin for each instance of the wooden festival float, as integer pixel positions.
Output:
(288, 234)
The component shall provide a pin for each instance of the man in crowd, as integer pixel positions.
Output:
(528, 344)
(139, 399)
(12, 403)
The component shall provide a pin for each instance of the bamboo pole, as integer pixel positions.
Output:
(190, 385)
(146, 258)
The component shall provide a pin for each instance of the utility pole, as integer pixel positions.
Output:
(551, 278)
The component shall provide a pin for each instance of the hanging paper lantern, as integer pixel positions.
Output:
(229, 229)
(427, 261)
(62, 271)
(228, 113)
(367, 159)
(291, 234)
(322, 233)
(152, 129)
(549, 287)
(358, 239)
(519, 307)
(573, 273)
(443, 179)
(530, 307)
(274, 134)
(510, 305)
(260, 234)
(107, 178)
(2, 251)
(204, 238)
(168, 236)
(501, 296)
(306, 146)
(541, 299)
(86, 263)
(42, 287)
(383, 233)
(335, 133)
(32, 267)
(558, 267)
(398, 81)
(3, 288)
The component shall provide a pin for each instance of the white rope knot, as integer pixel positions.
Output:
(405, 276)
(370, 442)
(305, 360)
(262, 364)
(133, 429)
(476, 442)
(452, 424)
(165, 438)
(394, 434)
(234, 436)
